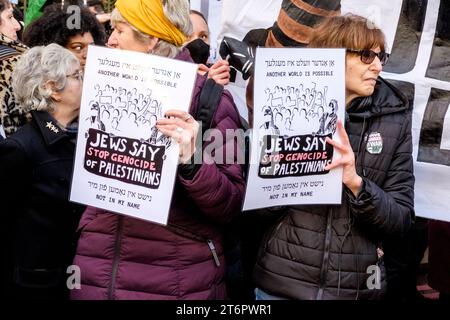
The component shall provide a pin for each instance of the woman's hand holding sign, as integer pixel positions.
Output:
(350, 177)
(219, 71)
(182, 127)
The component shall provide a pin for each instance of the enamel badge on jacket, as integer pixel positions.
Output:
(374, 143)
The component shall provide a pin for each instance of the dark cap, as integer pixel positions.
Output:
(296, 21)
(94, 3)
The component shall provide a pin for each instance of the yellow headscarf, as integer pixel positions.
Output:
(148, 17)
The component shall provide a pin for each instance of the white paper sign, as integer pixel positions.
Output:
(2, 132)
(123, 163)
(299, 94)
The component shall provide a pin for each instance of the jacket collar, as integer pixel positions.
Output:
(16, 45)
(48, 127)
(184, 55)
(386, 99)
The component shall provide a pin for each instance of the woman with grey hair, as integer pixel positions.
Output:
(125, 258)
(35, 169)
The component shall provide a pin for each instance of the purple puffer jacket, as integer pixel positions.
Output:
(124, 258)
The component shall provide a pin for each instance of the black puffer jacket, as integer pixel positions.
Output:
(323, 252)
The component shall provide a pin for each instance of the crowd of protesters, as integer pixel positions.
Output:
(312, 252)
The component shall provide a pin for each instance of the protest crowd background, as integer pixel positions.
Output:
(394, 147)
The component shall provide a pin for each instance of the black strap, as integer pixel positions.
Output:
(208, 102)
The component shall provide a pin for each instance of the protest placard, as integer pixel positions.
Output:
(123, 163)
(299, 95)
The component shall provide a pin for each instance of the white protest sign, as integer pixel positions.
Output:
(2, 132)
(298, 96)
(123, 163)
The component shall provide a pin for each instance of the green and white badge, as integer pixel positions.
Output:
(374, 143)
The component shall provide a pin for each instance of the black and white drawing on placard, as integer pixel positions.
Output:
(299, 95)
(302, 107)
(118, 110)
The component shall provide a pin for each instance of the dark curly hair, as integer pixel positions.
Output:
(52, 27)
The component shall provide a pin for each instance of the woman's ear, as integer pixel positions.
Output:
(152, 42)
(55, 94)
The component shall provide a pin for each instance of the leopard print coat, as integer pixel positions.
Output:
(11, 115)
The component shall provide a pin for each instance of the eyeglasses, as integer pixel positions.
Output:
(76, 75)
(367, 56)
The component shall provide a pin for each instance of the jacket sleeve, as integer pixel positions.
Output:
(389, 209)
(14, 182)
(15, 173)
(217, 187)
(88, 216)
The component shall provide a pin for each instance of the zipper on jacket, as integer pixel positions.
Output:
(326, 256)
(115, 266)
(213, 251)
(190, 235)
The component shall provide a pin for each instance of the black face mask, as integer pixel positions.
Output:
(199, 50)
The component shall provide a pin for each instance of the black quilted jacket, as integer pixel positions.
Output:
(323, 252)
